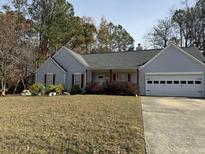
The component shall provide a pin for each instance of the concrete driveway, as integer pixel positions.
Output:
(174, 125)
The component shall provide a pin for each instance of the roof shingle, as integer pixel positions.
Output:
(129, 59)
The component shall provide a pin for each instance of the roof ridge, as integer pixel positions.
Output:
(132, 51)
(121, 52)
(75, 55)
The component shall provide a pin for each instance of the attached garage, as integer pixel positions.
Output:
(174, 72)
(174, 84)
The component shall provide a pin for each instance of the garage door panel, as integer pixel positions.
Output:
(174, 85)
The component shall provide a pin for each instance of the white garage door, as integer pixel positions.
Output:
(172, 84)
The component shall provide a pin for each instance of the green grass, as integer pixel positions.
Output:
(71, 124)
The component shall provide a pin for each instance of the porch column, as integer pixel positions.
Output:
(86, 77)
(110, 76)
(92, 77)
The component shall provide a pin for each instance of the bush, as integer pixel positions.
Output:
(37, 89)
(50, 88)
(121, 88)
(94, 88)
(58, 89)
(75, 89)
(115, 88)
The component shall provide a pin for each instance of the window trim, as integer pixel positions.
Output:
(122, 76)
(74, 76)
(46, 79)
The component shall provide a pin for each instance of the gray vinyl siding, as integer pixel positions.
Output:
(69, 63)
(134, 77)
(50, 67)
(170, 60)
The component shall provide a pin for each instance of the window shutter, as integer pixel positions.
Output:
(45, 79)
(114, 77)
(129, 77)
(72, 79)
(54, 79)
(82, 80)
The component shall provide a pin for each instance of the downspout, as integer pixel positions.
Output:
(86, 72)
(138, 81)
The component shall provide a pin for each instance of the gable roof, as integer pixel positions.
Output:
(130, 59)
(123, 60)
(54, 61)
(59, 65)
(77, 56)
(193, 53)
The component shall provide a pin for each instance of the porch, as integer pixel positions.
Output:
(112, 75)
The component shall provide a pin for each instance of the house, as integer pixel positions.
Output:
(172, 71)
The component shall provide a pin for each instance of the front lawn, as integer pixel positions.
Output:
(71, 124)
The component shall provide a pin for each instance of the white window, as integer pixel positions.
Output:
(77, 79)
(49, 79)
(122, 77)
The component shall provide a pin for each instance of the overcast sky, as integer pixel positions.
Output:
(137, 16)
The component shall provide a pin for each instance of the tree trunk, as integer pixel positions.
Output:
(3, 82)
(165, 43)
(24, 86)
(16, 87)
(44, 47)
(203, 38)
(181, 37)
(86, 47)
(186, 42)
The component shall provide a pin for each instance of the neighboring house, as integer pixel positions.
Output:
(172, 71)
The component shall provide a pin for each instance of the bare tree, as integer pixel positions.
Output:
(9, 47)
(26, 66)
(161, 34)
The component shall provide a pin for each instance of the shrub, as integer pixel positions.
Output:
(75, 89)
(94, 88)
(37, 89)
(115, 88)
(107, 87)
(121, 88)
(50, 88)
(58, 89)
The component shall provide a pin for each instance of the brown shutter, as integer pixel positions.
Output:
(114, 77)
(82, 80)
(45, 79)
(72, 79)
(129, 77)
(54, 79)
(110, 76)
